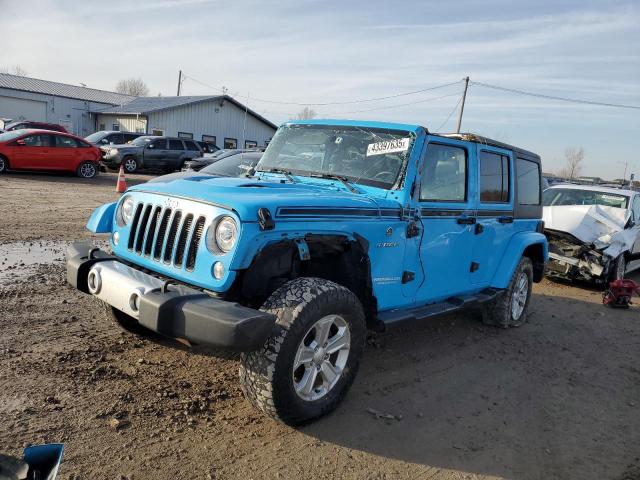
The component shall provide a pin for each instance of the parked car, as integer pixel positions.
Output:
(112, 137)
(593, 232)
(166, 153)
(342, 226)
(31, 149)
(238, 165)
(208, 147)
(34, 125)
(207, 159)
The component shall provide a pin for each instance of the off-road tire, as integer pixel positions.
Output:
(618, 268)
(130, 168)
(266, 375)
(82, 172)
(498, 312)
(4, 165)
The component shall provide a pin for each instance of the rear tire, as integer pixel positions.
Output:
(312, 355)
(130, 164)
(509, 309)
(87, 170)
(4, 165)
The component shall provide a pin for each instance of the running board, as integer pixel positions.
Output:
(392, 318)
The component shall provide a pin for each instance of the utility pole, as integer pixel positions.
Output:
(464, 97)
(179, 81)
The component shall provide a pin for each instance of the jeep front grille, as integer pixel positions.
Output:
(166, 235)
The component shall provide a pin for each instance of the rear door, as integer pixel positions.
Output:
(176, 152)
(494, 209)
(447, 219)
(65, 153)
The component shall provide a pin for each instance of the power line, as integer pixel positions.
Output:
(450, 115)
(386, 107)
(324, 104)
(553, 97)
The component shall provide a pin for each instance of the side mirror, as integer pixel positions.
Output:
(150, 146)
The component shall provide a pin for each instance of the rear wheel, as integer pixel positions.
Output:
(130, 164)
(4, 164)
(312, 356)
(87, 170)
(509, 309)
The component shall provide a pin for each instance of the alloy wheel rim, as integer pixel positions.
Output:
(2, 166)
(321, 357)
(130, 165)
(519, 297)
(87, 170)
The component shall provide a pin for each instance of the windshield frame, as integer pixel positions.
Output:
(396, 184)
(562, 190)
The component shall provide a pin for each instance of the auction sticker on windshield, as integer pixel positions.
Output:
(388, 146)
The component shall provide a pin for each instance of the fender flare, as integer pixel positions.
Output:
(514, 251)
(101, 220)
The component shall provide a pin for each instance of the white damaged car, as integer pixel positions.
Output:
(593, 232)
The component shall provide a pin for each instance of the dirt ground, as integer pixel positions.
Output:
(558, 398)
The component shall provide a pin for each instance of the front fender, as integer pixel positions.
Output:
(517, 245)
(101, 220)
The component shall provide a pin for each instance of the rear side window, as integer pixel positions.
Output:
(191, 146)
(494, 178)
(65, 142)
(175, 145)
(528, 182)
(116, 138)
(444, 175)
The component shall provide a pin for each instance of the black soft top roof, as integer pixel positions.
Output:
(472, 137)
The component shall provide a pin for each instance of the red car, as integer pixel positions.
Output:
(37, 125)
(48, 150)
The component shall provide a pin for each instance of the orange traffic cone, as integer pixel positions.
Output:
(121, 186)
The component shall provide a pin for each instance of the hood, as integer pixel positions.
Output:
(247, 195)
(170, 177)
(593, 224)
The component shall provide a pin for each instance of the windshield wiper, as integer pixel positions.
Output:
(331, 176)
(282, 171)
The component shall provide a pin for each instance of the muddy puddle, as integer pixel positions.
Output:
(20, 259)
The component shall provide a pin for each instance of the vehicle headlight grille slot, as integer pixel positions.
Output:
(182, 240)
(162, 231)
(171, 236)
(134, 226)
(142, 230)
(195, 243)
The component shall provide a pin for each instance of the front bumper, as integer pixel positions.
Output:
(171, 310)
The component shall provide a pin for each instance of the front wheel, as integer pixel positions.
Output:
(509, 309)
(87, 170)
(4, 165)
(312, 355)
(130, 164)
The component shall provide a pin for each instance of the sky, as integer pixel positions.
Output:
(312, 51)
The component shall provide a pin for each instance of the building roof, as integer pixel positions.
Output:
(147, 105)
(34, 85)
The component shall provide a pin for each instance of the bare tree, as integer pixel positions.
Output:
(133, 86)
(15, 70)
(573, 167)
(305, 114)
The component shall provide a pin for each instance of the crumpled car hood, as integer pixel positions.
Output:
(245, 195)
(593, 224)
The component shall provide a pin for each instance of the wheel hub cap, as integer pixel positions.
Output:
(519, 298)
(321, 357)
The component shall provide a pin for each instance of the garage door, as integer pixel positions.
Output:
(21, 109)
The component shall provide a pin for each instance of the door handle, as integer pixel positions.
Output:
(464, 220)
(505, 219)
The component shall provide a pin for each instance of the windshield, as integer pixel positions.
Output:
(141, 141)
(570, 196)
(371, 156)
(5, 137)
(233, 165)
(95, 137)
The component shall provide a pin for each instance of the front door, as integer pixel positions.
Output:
(494, 211)
(155, 153)
(35, 151)
(446, 214)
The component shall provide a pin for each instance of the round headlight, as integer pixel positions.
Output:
(125, 211)
(224, 236)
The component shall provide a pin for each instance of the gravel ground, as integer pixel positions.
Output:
(555, 399)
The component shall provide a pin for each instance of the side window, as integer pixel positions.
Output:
(528, 182)
(129, 138)
(230, 143)
(160, 144)
(209, 139)
(37, 141)
(175, 145)
(636, 209)
(64, 142)
(191, 145)
(494, 178)
(116, 127)
(116, 138)
(250, 144)
(187, 135)
(444, 174)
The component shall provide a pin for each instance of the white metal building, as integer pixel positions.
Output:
(218, 119)
(24, 98)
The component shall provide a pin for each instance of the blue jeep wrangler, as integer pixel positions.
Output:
(343, 226)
